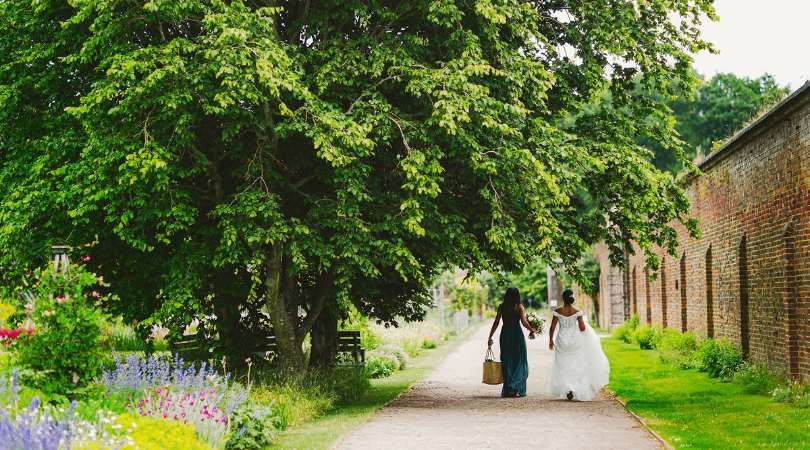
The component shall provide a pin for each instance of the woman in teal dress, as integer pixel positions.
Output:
(513, 344)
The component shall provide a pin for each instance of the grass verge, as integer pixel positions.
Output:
(690, 410)
(321, 433)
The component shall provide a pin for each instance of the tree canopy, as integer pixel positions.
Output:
(717, 108)
(267, 161)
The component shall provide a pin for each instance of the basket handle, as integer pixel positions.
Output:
(490, 356)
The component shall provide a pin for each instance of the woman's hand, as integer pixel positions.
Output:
(551, 345)
(490, 342)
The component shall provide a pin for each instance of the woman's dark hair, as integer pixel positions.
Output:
(568, 296)
(511, 299)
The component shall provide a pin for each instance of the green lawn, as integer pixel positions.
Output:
(322, 432)
(691, 410)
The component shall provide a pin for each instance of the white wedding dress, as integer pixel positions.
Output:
(580, 366)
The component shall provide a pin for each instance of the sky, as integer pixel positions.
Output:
(759, 36)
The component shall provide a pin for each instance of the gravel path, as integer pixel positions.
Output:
(452, 409)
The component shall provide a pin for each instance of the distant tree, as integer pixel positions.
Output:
(264, 163)
(716, 109)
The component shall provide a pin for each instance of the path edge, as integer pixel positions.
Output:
(661, 440)
(463, 336)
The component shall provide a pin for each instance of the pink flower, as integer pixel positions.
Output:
(95, 294)
(47, 313)
(84, 258)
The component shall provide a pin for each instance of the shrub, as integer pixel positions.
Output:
(64, 355)
(138, 373)
(121, 337)
(624, 332)
(252, 428)
(200, 409)
(677, 348)
(27, 425)
(293, 401)
(718, 357)
(380, 366)
(428, 343)
(796, 393)
(644, 337)
(150, 433)
(756, 379)
(392, 352)
(348, 383)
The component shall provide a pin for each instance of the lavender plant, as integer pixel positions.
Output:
(38, 427)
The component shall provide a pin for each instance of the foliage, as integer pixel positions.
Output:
(395, 352)
(718, 107)
(139, 374)
(691, 410)
(718, 357)
(794, 392)
(158, 434)
(201, 409)
(380, 366)
(410, 336)
(644, 336)
(6, 311)
(222, 157)
(531, 281)
(356, 321)
(624, 332)
(293, 403)
(756, 379)
(677, 348)
(252, 428)
(120, 337)
(469, 296)
(64, 355)
(30, 425)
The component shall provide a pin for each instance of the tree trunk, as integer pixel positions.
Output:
(285, 319)
(324, 339)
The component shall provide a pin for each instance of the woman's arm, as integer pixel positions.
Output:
(551, 333)
(581, 323)
(494, 327)
(522, 312)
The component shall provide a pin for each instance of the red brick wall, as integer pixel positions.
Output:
(753, 204)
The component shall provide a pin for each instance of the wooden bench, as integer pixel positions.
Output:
(193, 349)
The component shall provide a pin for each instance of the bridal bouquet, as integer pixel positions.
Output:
(536, 322)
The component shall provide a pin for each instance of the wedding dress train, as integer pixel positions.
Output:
(580, 366)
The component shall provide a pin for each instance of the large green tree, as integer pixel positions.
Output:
(714, 110)
(234, 157)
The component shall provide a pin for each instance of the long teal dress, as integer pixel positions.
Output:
(513, 355)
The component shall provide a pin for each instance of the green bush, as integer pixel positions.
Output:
(624, 332)
(395, 351)
(347, 384)
(121, 337)
(380, 367)
(677, 348)
(644, 336)
(64, 354)
(293, 401)
(429, 343)
(252, 427)
(796, 393)
(389, 352)
(718, 357)
(756, 379)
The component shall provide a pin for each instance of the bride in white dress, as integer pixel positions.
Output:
(580, 366)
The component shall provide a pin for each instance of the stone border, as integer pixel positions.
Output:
(658, 437)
